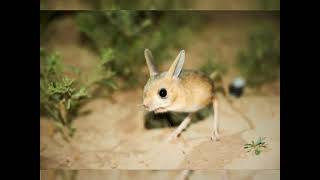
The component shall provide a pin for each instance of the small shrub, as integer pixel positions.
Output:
(104, 76)
(61, 96)
(257, 146)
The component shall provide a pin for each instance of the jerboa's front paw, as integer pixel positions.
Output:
(172, 137)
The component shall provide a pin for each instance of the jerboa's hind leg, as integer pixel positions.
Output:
(215, 106)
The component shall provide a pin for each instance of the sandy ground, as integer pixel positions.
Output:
(112, 135)
(160, 175)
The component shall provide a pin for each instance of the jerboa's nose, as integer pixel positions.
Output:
(145, 106)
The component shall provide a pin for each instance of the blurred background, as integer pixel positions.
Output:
(92, 66)
(160, 5)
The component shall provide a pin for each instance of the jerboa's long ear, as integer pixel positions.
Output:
(176, 67)
(149, 59)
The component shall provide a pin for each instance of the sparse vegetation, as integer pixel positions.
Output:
(256, 146)
(109, 55)
(62, 95)
(127, 33)
(120, 37)
(59, 95)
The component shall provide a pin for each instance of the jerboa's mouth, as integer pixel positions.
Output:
(160, 110)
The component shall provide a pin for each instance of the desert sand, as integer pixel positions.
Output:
(112, 135)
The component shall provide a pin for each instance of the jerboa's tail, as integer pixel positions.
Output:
(219, 87)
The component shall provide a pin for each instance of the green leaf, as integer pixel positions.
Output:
(258, 141)
(146, 23)
(80, 94)
(67, 82)
(257, 151)
(72, 131)
(107, 55)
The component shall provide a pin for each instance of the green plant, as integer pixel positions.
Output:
(260, 61)
(127, 33)
(104, 76)
(63, 90)
(257, 146)
(60, 95)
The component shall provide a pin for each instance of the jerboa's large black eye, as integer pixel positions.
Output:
(163, 93)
